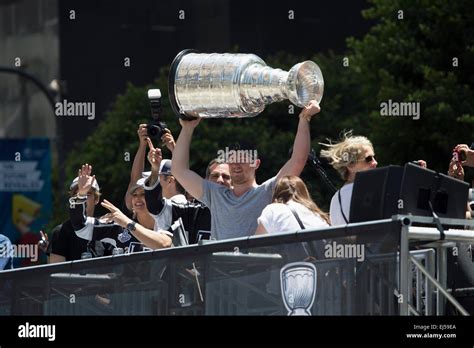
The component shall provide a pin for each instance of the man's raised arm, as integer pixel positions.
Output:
(191, 181)
(302, 144)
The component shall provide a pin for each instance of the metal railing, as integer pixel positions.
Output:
(440, 240)
(242, 276)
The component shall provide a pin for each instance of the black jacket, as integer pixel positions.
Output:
(195, 216)
(101, 237)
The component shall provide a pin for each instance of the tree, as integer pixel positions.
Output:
(422, 52)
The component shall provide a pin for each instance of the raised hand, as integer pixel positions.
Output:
(142, 134)
(189, 124)
(168, 140)
(422, 164)
(115, 214)
(85, 181)
(469, 154)
(310, 110)
(154, 156)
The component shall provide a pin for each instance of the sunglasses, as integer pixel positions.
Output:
(369, 159)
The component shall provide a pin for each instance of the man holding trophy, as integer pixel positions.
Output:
(238, 85)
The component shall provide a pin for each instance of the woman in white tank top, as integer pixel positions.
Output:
(292, 209)
(350, 155)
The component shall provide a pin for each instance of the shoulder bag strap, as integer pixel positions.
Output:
(340, 206)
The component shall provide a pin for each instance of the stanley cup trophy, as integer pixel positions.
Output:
(237, 85)
(298, 287)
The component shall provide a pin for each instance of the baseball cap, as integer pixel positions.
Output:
(140, 183)
(165, 167)
(95, 184)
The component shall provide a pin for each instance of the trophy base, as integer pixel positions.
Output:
(299, 312)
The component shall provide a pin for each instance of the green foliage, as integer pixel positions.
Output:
(409, 59)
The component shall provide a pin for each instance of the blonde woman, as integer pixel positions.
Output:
(292, 209)
(349, 156)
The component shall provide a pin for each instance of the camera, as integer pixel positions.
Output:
(156, 128)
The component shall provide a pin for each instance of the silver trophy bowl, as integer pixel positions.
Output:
(237, 85)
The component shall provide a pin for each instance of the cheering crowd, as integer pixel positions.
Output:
(171, 205)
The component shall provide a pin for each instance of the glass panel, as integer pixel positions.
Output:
(336, 271)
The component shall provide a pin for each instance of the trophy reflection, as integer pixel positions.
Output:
(298, 287)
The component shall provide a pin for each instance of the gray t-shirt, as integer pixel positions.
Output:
(232, 216)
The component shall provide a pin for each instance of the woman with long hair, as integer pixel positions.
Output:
(292, 209)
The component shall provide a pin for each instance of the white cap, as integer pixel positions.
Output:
(140, 183)
(165, 167)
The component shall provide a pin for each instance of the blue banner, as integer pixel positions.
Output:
(25, 190)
